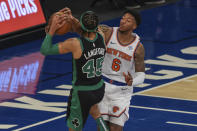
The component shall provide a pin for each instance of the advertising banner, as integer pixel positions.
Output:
(16, 15)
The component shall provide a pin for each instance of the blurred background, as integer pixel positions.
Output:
(26, 22)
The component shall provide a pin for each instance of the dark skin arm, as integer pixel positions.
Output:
(139, 59)
(71, 45)
(139, 64)
(76, 26)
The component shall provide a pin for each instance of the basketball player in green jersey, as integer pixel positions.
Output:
(88, 54)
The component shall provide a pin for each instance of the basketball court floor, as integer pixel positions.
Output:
(34, 89)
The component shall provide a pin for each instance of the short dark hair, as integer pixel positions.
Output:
(135, 14)
(89, 21)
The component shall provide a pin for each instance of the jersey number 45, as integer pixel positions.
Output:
(91, 69)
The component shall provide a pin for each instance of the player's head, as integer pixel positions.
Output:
(89, 21)
(130, 20)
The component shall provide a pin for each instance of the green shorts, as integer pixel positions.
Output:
(79, 104)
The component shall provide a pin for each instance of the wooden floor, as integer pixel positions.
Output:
(184, 89)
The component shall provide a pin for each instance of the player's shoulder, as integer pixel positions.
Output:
(137, 36)
(138, 40)
(140, 49)
(104, 28)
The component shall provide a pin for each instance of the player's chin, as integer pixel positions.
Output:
(121, 28)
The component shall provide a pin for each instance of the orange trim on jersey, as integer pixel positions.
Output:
(110, 37)
(136, 48)
(114, 115)
(124, 44)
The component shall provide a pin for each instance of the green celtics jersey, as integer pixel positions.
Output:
(87, 69)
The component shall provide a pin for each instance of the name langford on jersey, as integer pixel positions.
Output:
(93, 52)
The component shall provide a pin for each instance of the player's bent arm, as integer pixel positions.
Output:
(71, 45)
(76, 26)
(139, 65)
(67, 46)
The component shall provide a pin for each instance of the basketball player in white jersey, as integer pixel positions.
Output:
(123, 68)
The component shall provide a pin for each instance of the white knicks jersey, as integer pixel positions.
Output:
(119, 58)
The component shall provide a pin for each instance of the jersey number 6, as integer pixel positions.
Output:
(116, 65)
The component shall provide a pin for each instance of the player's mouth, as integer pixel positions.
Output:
(121, 27)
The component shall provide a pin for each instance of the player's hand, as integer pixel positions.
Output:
(128, 79)
(68, 13)
(58, 20)
(66, 10)
(67, 17)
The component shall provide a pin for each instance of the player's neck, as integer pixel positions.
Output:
(125, 36)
